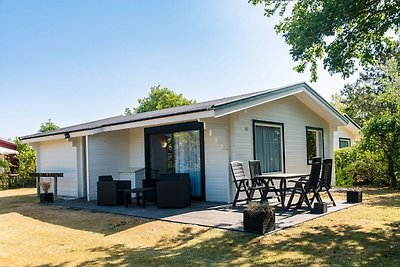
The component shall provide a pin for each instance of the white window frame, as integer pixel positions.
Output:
(345, 139)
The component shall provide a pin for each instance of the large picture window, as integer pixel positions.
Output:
(315, 143)
(268, 146)
(344, 142)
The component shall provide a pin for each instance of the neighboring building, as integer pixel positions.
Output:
(347, 135)
(283, 127)
(8, 148)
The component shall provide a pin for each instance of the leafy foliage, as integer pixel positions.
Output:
(355, 166)
(355, 99)
(48, 126)
(26, 165)
(374, 101)
(5, 164)
(26, 161)
(258, 207)
(159, 98)
(341, 33)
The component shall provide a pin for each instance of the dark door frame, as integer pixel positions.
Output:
(173, 128)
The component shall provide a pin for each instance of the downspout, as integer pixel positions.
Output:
(87, 167)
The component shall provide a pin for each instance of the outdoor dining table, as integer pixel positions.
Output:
(267, 178)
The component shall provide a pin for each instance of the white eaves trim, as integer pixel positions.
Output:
(44, 138)
(256, 102)
(145, 123)
(162, 121)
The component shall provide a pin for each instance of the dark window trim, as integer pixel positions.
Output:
(172, 128)
(323, 141)
(282, 125)
(345, 139)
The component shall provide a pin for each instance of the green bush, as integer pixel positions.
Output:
(355, 166)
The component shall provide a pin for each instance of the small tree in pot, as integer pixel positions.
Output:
(259, 218)
(46, 196)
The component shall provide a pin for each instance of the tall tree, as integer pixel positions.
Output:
(48, 126)
(341, 33)
(381, 131)
(159, 98)
(355, 99)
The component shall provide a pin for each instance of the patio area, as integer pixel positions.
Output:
(209, 214)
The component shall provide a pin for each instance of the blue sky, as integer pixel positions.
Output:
(76, 61)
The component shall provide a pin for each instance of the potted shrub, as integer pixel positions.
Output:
(259, 218)
(46, 196)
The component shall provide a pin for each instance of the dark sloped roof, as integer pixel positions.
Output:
(203, 106)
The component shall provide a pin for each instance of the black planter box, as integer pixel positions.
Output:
(46, 197)
(259, 223)
(354, 196)
(320, 208)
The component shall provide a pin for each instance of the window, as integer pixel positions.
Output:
(344, 142)
(315, 143)
(268, 146)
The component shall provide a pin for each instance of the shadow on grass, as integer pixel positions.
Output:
(382, 197)
(341, 245)
(103, 223)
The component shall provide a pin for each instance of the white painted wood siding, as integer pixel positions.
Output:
(136, 141)
(216, 146)
(108, 155)
(59, 156)
(342, 132)
(294, 115)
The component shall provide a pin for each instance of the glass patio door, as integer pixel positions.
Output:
(186, 156)
(176, 150)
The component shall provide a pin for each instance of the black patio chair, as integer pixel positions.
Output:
(243, 183)
(307, 186)
(110, 191)
(255, 169)
(326, 179)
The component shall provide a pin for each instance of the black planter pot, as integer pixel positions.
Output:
(320, 208)
(354, 196)
(259, 223)
(46, 197)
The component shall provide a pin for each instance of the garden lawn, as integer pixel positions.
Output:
(35, 234)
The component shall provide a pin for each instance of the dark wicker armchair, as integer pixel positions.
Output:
(109, 190)
(174, 190)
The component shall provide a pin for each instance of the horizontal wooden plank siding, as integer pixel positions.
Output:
(136, 140)
(59, 156)
(108, 155)
(216, 146)
(294, 115)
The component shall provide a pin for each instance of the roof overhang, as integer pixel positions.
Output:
(7, 151)
(123, 126)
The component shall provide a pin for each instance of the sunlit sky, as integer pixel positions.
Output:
(77, 61)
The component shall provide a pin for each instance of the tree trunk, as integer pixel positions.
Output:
(391, 173)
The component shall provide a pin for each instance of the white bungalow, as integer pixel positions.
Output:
(283, 127)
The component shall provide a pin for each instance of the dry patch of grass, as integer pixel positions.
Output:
(34, 234)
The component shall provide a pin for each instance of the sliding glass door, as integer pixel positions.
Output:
(177, 149)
